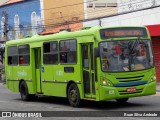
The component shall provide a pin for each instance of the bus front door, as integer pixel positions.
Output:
(37, 55)
(88, 70)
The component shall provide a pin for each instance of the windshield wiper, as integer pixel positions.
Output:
(133, 45)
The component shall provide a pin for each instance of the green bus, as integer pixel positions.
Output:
(95, 63)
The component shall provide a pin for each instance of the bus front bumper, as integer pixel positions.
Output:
(108, 93)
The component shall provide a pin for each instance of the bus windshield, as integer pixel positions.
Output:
(126, 55)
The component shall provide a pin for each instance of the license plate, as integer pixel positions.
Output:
(132, 89)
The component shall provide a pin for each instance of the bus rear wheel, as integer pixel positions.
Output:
(122, 100)
(24, 91)
(73, 95)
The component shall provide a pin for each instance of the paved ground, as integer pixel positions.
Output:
(10, 101)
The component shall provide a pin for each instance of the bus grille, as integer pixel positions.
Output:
(129, 79)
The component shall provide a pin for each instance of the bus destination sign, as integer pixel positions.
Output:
(123, 32)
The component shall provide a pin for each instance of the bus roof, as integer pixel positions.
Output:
(61, 35)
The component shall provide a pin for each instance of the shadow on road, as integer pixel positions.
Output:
(110, 105)
(103, 105)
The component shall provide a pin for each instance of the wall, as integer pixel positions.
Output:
(144, 17)
(133, 5)
(23, 10)
(156, 46)
(62, 15)
(58, 12)
(3, 1)
(99, 8)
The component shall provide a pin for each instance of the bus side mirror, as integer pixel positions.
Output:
(96, 52)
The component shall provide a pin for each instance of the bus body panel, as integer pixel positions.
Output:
(108, 94)
(112, 92)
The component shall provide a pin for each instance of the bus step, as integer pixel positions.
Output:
(91, 99)
(39, 94)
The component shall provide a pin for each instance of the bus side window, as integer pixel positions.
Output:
(68, 51)
(12, 55)
(70, 57)
(63, 57)
(9, 60)
(21, 60)
(64, 47)
(24, 55)
(50, 52)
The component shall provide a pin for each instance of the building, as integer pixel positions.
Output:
(136, 13)
(60, 15)
(99, 8)
(20, 18)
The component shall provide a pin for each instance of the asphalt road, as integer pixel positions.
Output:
(10, 101)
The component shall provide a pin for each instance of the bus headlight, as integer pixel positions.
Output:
(153, 79)
(106, 82)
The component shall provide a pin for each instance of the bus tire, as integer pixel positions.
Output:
(122, 100)
(24, 91)
(73, 95)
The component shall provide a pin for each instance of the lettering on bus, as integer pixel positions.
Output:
(59, 73)
(123, 32)
(22, 73)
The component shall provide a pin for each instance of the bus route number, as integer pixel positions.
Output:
(59, 73)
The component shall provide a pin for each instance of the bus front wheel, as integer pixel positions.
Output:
(24, 91)
(73, 95)
(122, 100)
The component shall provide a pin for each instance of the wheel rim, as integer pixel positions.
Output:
(73, 95)
(23, 91)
